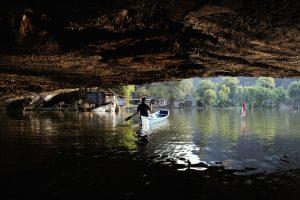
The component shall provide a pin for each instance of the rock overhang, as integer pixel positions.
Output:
(54, 45)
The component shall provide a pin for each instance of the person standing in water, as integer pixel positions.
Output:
(244, 109)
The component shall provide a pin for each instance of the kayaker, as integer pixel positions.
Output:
(143, 108)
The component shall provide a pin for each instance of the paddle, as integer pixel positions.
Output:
(128, 118)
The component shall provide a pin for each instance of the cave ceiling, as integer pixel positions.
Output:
(50, 45)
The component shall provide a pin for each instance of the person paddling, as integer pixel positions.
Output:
(143, 108)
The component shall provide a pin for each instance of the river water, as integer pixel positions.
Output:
(195, 153)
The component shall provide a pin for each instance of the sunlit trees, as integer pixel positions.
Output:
(247, 94)
(187, 89)
(168, 90)
(223, 95)
(225, 92)
(294, 92)
(265, 94)
(266, 82)
(201, 88)
(281, 95)
(141, 91)
(232, 83)
(264, 97)
(209, 98)
(230, 93)
(125, 91)
(172, 90)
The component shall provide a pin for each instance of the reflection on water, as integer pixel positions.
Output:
(268, 140)
(69, 145)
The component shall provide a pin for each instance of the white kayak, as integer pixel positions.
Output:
(156, 117)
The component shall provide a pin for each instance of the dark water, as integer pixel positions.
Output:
(195, 154)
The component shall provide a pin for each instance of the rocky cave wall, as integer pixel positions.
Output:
(49, 45)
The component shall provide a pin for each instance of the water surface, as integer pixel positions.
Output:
(268, 140)
(79, 154)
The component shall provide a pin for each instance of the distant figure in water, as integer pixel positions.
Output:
(244, 109)
(143, 108)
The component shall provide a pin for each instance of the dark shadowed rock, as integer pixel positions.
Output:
(53, 44)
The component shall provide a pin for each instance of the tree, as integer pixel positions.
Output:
(169, 90)
(142, 91)
(125, 91)
(186, 89)
(209, 98)
(232, 83)
(223, 95)
(266, 82)
(203, 85)
(201, 88)
(249, 95)
(264, 97)
(294, 92)
(281, 95)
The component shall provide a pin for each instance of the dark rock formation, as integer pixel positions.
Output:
(52, 44)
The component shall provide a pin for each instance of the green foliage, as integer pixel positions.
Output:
(125, 91)
(180, 90)
(186, 89)
(232, 83)
(209, 98)
(248, 95)
(223, 95)
(264, 97)
(128, 90)
(294, 92)
(266, 82)
(281, 95)
(142, 91)
(203, 86)
(226, 93)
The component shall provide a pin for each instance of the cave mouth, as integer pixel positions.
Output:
(215, 92)
(197, 147)
(54, 55)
